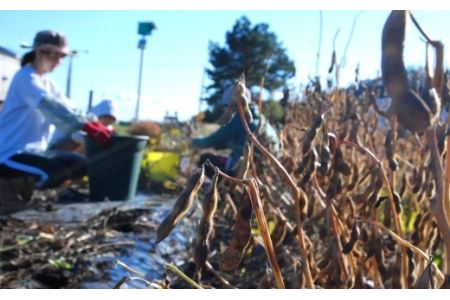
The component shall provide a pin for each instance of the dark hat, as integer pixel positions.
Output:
(50, 37)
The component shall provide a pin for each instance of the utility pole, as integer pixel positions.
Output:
(144, 29)
(72, 55)
(69, 74)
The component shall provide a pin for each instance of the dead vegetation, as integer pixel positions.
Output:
(348, 203)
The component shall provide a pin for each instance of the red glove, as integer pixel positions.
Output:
(98, 132)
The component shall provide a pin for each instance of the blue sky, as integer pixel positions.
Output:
(177, 51)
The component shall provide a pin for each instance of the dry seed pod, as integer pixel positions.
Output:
(379, 257)
(340, 164)
(304, 206)
(310, 210)
(431, 237)
(389, 148)
(332, 141)
(182, 205)
(373, 197)
(244, 165)
(411, 267)
(165, 228)
(241, 236)
(279, 233)
(446, 283)
(307, 141)
(324, 160)
(415, 237)
(410, 254)
(324, 262)
(334, 186)
(238, 97)
(402, 189)
(413, 112)
(441, 135)
(380, 200)
(418, 183)
(333, 62)
(436, 243)
(355, 178)
(343, 132)
(317, 121)
(354, 131)
(353, 238)
(397, 202)
(200, 254)
(377, 185)
(397, 272)
(430, 192)
(311, 133)
(304, 162)
(288, 163)
(413, 178)
(418, 220)
(206, 225)
(311, 168)
(425, 281)
(364, 195)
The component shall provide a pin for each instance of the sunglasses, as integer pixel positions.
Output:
(53, 54)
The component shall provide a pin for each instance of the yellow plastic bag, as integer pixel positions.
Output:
(161, 166)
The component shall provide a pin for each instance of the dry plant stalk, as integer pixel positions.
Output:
(206, 225)
(296, 191)
(413, 111)
(262, 224)
(437, 205)
(241, 235)
(357, 226)
(182, 205)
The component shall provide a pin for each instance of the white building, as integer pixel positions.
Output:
(9, 64)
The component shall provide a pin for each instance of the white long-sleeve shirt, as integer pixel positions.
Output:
(24, 127)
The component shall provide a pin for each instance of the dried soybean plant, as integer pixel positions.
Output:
(418, 113)
(347, 203)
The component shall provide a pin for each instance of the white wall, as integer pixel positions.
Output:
(8, 67)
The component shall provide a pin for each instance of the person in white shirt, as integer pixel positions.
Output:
(105, 111)
(34, 105)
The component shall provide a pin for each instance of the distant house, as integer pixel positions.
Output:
(9, 64)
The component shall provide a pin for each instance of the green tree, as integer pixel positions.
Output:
(248, 49)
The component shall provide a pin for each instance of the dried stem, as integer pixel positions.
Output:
(295, 190)
(407, 244)
(183, 276)
(437, 206)
(397, 221)
(447, 183)
(335, 232)
(262, 223)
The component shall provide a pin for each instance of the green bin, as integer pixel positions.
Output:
(114, 171)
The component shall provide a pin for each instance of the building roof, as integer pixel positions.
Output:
(7, 52)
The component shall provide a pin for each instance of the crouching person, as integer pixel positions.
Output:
(33, 107)
(233, 136)
(105, 111)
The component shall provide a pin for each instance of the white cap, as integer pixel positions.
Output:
(104, 108)
(226, 98)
